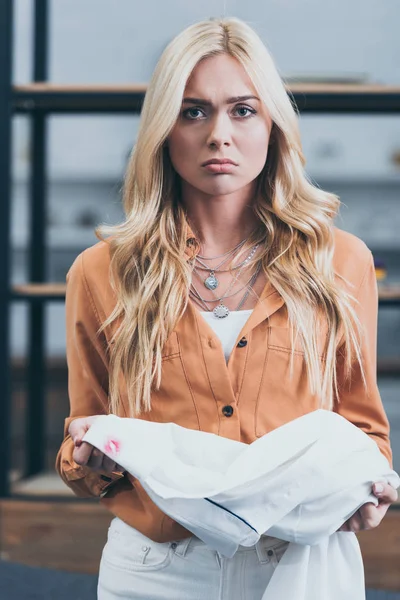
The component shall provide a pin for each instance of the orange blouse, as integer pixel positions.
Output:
(197, 382)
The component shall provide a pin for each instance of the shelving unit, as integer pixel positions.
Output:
(37, 101)
(38, 505)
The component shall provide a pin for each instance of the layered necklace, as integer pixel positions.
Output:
(211, 282)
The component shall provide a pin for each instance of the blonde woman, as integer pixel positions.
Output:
(226, 301)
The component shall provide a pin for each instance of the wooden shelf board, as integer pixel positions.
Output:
(42, 485)
(48, 289)
(389, 292)
(78, 88)
(300, 87)
(38, 289)
(338, 98)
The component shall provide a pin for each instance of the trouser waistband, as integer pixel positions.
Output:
(264, 547)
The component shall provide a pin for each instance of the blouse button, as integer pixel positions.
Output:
(270, 552)
(227, 410)
(242, 342)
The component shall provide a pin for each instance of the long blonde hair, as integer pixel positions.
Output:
(149, 271)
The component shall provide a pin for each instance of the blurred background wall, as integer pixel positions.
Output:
(104, 41)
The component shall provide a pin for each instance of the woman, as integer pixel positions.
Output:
(226, 302)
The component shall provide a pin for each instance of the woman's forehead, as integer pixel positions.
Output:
(220, 71)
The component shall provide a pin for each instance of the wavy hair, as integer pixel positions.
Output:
(149, 270)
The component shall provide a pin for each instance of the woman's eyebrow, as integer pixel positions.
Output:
(228, 101)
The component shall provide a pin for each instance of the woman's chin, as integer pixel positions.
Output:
(220, 186)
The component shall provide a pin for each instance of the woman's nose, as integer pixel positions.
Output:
(220, 132)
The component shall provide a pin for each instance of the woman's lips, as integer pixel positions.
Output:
(220, 167)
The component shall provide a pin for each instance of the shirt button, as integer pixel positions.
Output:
(242, 342)
(270, 552)
(145, 548)
(227, 410)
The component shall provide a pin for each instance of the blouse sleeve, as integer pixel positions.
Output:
(87, 380)
(363, 406)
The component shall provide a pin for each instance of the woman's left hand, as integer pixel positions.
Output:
(368, 515)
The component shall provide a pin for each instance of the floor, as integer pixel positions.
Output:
(18, 582)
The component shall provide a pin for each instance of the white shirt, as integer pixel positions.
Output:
(228, 328)
(299, 483)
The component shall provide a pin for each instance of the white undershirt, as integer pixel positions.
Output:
(227, 329)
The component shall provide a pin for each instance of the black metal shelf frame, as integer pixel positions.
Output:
(37, 105)
(5, 193)
(127, 101)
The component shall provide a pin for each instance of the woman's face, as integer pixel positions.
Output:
(214, 123)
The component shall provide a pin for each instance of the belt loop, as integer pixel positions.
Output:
(264, 556)
(180, 547)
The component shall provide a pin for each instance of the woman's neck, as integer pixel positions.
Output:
(220, 222)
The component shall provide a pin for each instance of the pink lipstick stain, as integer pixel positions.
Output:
(112, 447)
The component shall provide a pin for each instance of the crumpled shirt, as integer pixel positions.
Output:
(299, 483)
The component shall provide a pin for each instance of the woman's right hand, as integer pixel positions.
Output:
(84, 453)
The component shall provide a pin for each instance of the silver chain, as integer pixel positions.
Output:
(235, 278)
(211, 282)
(217, 269)
(224, 295)
(221, 311)
(219, 256)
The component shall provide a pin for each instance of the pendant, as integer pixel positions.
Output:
(221, 311)
(211, 282)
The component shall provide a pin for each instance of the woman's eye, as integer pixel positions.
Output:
(188, 114)
(246, 108)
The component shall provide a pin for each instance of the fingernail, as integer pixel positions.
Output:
(378, 488)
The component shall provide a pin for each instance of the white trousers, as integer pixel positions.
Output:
(133, 567)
